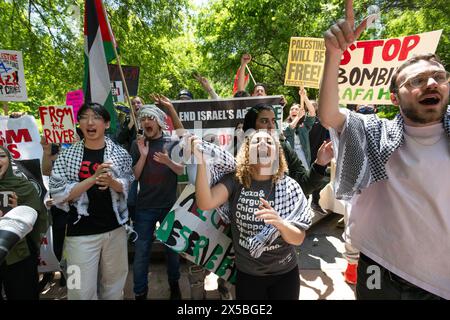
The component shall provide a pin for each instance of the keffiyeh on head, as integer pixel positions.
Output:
(152, 111)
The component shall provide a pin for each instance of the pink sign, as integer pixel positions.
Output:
(76, 100)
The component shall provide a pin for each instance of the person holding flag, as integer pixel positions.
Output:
(99, 50)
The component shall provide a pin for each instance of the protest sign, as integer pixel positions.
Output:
(131, 75)
(21, 137)
(305, 62)
(367, 66)
(117, 91)
(12, 79)
(216, 119)
(199, 236)
(57, 124)
(76, 100)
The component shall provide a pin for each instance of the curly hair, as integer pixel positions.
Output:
(245, 170)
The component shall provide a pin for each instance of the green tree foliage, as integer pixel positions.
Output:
(49, 33)
(229, 28)
(170, 41)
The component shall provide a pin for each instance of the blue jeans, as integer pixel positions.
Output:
(145, 226)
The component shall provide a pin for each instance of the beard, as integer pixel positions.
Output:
(420, 114)
(424, 116)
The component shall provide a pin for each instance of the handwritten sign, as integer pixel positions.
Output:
(21, 137)
(200, 236)
(76, 100)
(12, 79)
(57, 124)
(367, 67)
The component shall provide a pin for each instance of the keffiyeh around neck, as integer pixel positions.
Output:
(290, 202)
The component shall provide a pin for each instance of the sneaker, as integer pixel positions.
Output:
(141, 296)
(350, 274)
(175, 292)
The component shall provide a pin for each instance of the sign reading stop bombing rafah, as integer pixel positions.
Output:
(366, 67)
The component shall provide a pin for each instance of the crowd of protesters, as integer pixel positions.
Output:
(390, 178)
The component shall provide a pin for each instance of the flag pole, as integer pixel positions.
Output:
(127, 95)
(250, 73)
(302, 101)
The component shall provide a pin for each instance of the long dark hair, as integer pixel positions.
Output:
(252, 115)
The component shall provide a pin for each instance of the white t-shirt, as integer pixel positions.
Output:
(403, 223)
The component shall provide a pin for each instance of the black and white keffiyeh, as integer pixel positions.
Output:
(363, 148)
(290, 201)
(65, 172)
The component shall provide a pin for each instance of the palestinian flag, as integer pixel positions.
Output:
(98, 52)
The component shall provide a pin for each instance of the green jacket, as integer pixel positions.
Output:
(26, 195)
(303, 134)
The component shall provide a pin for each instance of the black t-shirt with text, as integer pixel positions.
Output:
(101, 214)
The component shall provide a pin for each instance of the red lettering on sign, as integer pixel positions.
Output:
(409, 43)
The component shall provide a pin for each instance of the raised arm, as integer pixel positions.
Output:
(207, 198)
(245, 59)
(206, 86)
(308, 103)
(162, 101)
(337, 40)
(143, 147)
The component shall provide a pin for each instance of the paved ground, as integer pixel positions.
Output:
(320, 261)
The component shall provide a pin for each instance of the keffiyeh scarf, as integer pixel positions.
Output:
(290, 202)
(363, 148)
(65, 172)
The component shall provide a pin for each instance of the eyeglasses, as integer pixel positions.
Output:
(86, 118)
(421, 80)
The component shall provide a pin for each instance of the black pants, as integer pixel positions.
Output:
(20, 280)
(279, 287)
(389, 287)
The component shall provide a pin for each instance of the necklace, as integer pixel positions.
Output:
(430, 141)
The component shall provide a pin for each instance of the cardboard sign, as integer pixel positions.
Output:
(76, 100)
(199, 236)
(58, 124)
(21, 137)
(47, 258)
(12, 79)
(215, 120)
(131, 75)
(117, 91)
(305, 62)
(367, 66)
